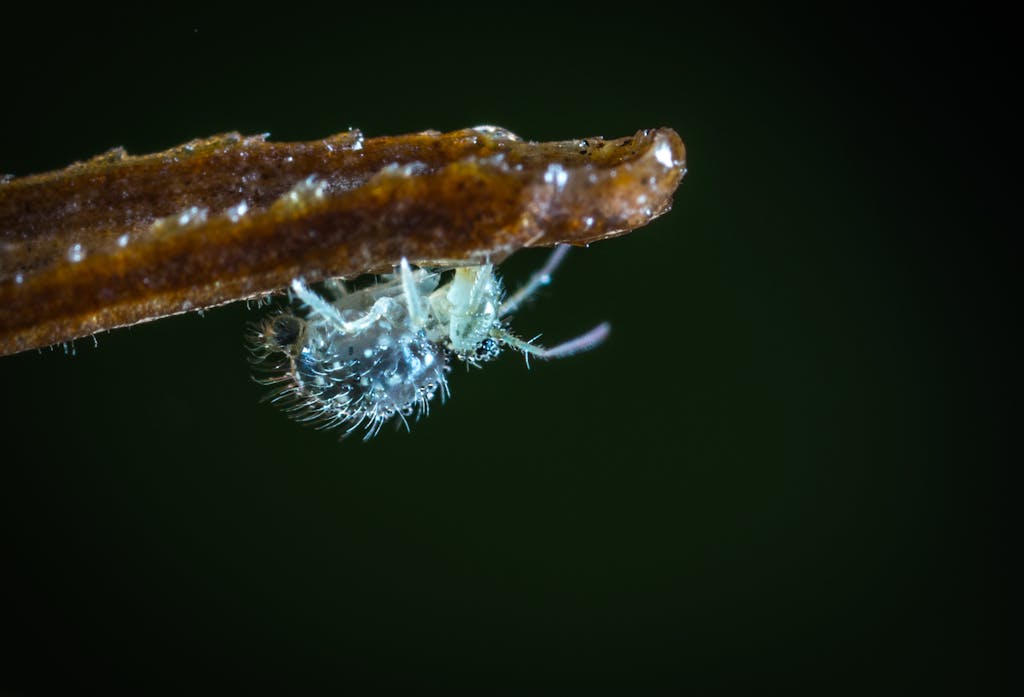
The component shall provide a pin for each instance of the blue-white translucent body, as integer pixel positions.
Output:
(383, 352)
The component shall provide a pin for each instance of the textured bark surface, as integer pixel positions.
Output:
(119, 239)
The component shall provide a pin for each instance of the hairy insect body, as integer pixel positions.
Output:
(379, 369)
(382, 352)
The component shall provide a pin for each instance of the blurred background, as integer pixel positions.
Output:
(780, 472)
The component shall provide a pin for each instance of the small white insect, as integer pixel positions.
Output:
(383, 352)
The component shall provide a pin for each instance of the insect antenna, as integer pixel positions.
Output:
(583, 342)
(540, 278)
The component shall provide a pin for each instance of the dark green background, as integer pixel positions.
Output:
(779, 472)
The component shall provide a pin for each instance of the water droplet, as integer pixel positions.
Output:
(235, 213)
(112, 155)
(498, 160)
(302, 194)
(406, 170)
(556, 174)
(663, 152)
(192, 216)
(496, 132)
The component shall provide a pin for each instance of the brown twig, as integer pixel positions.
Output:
(119, 240)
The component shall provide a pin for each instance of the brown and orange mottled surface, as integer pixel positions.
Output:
(120, 240)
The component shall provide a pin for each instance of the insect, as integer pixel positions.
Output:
(368, 356)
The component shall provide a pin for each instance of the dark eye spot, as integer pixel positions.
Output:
(286, 330)
(488, 350)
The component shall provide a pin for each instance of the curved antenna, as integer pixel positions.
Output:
(583, 342)
(540, 278)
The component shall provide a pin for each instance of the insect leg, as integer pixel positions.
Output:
(413, 298)
(316, 303)
(329, 312)
(537, 280)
